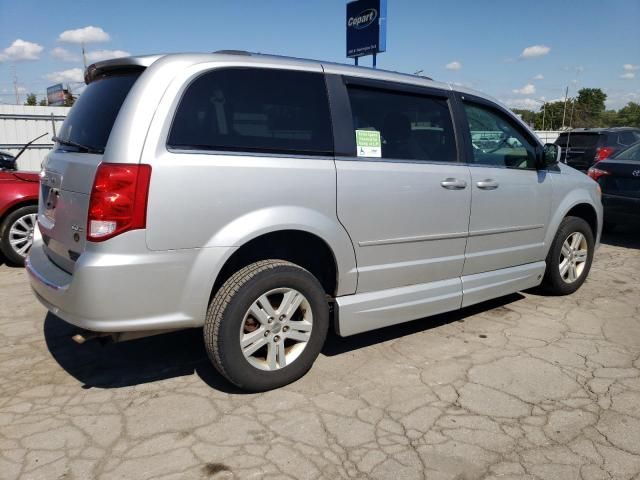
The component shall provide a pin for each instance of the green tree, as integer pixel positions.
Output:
(31, 99)
(69, 99)
(629, 115)
(589, 107)
(529, 117)
(43, 102)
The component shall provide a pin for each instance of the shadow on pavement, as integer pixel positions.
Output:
(336, 345)
(627, 236)
(116, 365)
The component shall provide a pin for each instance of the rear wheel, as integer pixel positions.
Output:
(570, 256)
(266, 325)
(16, 234)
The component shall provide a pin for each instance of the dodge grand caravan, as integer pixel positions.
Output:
(268, 198)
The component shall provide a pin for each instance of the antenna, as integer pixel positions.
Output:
(15, 84)
(564, 111)
(84, 57)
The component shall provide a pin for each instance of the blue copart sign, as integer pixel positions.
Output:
(366, 27)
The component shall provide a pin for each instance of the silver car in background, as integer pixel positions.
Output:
(267, 198)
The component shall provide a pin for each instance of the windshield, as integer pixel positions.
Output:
(91, 119)
(631, 153)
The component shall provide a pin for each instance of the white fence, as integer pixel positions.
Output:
(19, 124)
(548, 136)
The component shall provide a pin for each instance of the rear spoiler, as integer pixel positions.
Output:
(118, 65)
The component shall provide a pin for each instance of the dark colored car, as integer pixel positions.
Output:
(583, 147)
(619, 178)
(18, 209)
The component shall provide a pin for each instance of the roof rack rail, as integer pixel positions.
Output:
(234, 52)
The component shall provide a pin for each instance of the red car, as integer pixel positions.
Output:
(18, 209)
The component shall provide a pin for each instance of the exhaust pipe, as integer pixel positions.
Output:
(85, 335)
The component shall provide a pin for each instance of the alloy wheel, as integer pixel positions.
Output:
(21, 234)
(573, 257)
(276, 329)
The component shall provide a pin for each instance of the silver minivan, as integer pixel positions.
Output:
(268, 199)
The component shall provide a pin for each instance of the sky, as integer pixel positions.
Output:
(521, 52)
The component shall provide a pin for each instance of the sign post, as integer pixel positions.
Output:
(366, 28)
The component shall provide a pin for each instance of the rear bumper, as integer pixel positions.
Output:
(118, 292)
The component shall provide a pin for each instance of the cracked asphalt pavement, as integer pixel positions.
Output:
(526, 387)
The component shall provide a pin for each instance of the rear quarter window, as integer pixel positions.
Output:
(254, 110)
(578, 140)
(92, 116)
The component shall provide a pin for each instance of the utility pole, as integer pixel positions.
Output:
(564, 111)
(15, 84)
(544, 113)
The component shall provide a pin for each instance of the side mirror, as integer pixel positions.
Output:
(550, 155)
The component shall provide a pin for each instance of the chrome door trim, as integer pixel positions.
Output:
(493, 231)
(418, 238)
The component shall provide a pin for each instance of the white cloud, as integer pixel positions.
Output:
(22, 90)
(528, 89)
(98, 55)
(628, 76)
(627, 67)
(539, 77)
(21, 50)
(65, 55)
(455, 65)
(88, 34)
(535, 51)
(71, 75)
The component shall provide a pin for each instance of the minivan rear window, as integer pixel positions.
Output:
(91, 119)
(255, 110)
(578, 140)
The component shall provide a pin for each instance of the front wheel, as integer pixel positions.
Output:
(570, 256)
(16, 234)
(266, 325)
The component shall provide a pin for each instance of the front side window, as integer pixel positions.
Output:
(255, 110)
(496, 141)
(404, 126)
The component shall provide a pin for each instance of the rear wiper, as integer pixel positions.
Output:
(85, 148)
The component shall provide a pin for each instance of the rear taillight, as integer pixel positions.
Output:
(118, 200)
(603, 153)
(596, 173)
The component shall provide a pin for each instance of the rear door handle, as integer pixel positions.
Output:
(453, 184)
(488, 184)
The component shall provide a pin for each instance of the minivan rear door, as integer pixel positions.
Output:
(69, 170)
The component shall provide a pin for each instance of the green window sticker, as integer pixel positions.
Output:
(368, 143)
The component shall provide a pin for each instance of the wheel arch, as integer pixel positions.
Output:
(299, 246)
(19, 203)
(578, 205)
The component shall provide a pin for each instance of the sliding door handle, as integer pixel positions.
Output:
(488, 184)
(453, 184)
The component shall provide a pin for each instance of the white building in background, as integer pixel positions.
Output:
(19, 124)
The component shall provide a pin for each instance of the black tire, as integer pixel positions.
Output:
(553, 282)
(227, 310)
(12, 256)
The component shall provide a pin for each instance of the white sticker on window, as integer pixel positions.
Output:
(368, 143)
